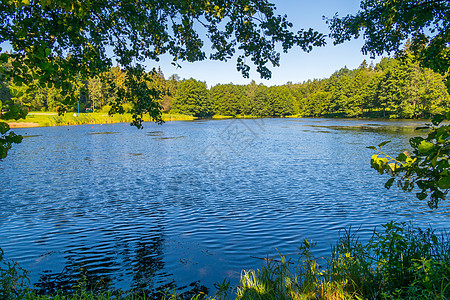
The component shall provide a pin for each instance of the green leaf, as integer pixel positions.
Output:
(425, 147)
(438, 119)
(415, 141)
(4, 127)
(422, 184)
(434, 239)
(402, 157)
(389, 183)
(383, 143)
(421, 196)
(372, 147)
(444, 182)
(4, 57)
(393, 167)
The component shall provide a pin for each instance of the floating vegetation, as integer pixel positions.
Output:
(103, 132)
(135, 154)
(372, 128)
(155, 133)
(31, 135)
(323, 131)
(169, 138)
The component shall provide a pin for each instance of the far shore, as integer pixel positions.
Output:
(50, 119)
(22, 124)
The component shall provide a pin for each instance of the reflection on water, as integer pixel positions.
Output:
(183, 205)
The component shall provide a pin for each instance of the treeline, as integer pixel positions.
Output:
(395, 88)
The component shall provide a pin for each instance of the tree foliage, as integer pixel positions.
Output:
(386, 25)
(427, 167)
(193, 99)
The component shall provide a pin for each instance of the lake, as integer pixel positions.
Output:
(186, 204)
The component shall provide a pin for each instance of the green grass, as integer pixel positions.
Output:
(53, 119)
(399, 262)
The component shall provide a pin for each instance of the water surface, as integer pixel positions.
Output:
(189, 203)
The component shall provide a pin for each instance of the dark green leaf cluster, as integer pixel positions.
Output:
(7, 139)
(9, 111)
(427, 168)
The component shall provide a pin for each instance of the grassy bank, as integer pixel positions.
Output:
(398, 262)
(40, 119)
(45, 119)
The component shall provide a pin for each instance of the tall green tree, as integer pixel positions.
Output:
(280, 102)
(193, 99)
(226, 99)
(255, 100)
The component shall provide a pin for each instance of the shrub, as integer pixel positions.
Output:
(398, 262)
(14, 282)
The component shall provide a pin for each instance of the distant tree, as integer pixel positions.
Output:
(359, 100)
(193, 99)
(226, 99)
(95, 92)
(340, 90)
(256, 99)
(280, 102)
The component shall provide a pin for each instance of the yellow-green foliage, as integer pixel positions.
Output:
(399, 262)
(53, 119)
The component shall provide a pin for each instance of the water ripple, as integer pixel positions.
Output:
(189, 201)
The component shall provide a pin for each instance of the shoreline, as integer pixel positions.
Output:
(52, 120)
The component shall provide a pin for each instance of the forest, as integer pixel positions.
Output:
(393, 88)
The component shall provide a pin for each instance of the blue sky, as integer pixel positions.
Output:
(296, 66)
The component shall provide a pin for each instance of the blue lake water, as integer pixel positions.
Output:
(186, 204)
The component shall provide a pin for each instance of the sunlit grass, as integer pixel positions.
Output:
(399, 262)
(39, 119)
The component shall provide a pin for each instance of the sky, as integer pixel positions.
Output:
(295, 66)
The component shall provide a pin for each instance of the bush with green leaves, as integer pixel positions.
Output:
(427, 167)
(14, 282)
